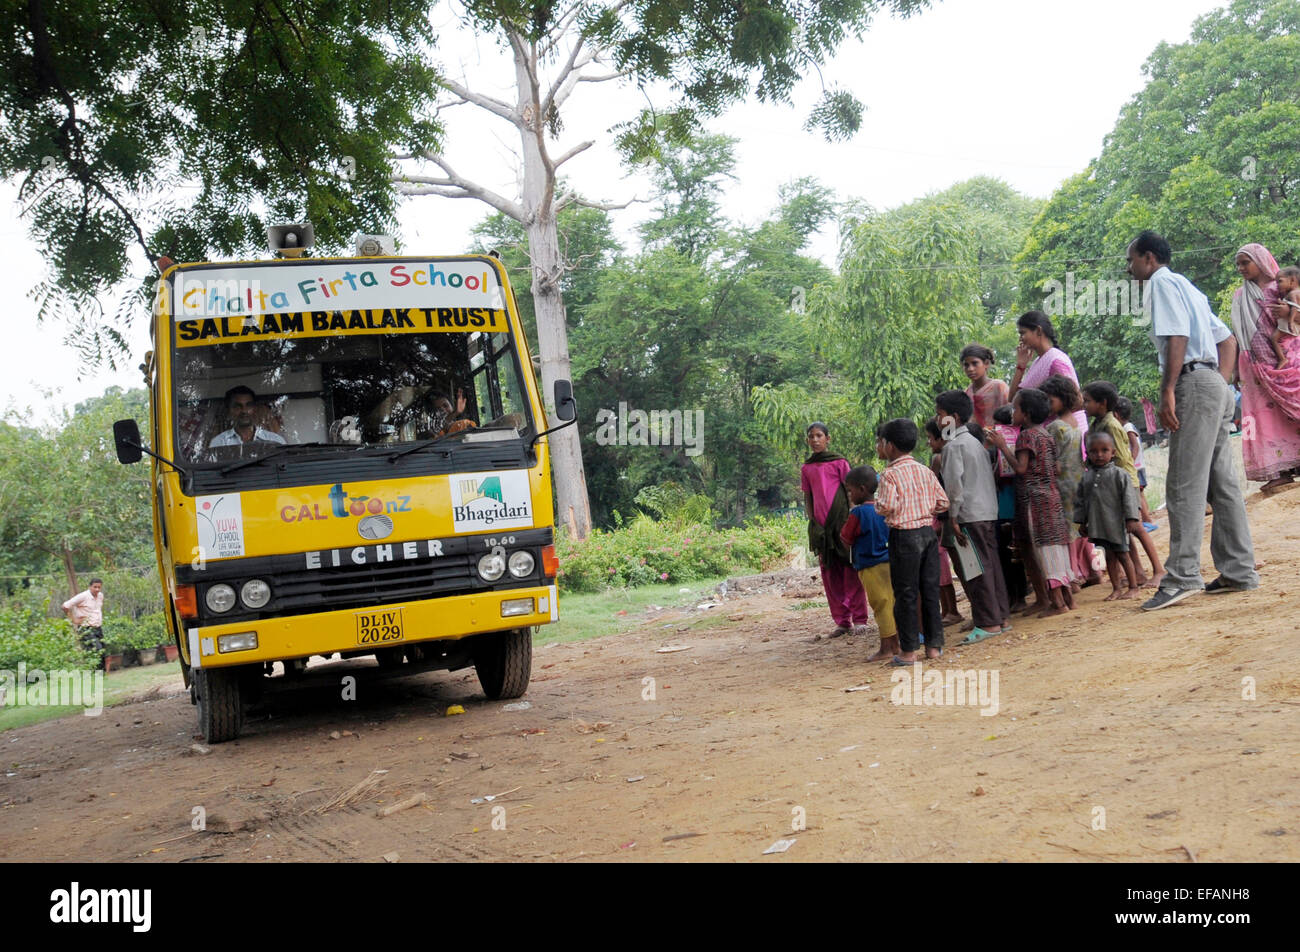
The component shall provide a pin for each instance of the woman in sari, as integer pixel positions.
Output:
(1038, 344)
(1270, 395)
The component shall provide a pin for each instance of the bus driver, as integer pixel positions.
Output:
(240, 402)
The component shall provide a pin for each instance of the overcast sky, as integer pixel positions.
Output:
(1018, 89)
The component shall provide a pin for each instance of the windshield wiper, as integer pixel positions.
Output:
(394, 457)
(273, 454)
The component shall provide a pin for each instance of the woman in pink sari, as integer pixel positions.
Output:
(1038, 344)
(1270, 395)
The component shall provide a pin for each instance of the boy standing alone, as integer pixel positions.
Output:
(910, 497)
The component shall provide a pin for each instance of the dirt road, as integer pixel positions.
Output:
(1118, 735)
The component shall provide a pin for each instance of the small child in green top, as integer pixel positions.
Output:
(1099, 400)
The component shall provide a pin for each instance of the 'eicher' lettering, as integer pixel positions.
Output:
(375, 554)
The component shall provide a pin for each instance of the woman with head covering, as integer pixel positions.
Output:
(1270, 395)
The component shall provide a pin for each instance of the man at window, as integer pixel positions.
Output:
(240, 404)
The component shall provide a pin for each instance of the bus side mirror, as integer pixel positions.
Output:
(126, 434)
(565, 406)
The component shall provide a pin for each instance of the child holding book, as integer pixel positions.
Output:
(909, 497)
(973, 512)
(867, 537)
(947, 592)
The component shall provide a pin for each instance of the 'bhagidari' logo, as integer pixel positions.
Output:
(491, 500)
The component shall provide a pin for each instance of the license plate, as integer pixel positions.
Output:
(378, 628)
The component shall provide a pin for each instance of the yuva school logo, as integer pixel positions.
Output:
(491, 500)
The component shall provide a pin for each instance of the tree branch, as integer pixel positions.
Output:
(561, 27)
(571, 198)
(580, 147)
(504, 110)
(560, 79)
(456, 186)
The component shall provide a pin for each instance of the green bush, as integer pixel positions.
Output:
(645, 551)
(46, 643)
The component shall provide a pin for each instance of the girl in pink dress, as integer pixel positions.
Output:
(1270, 395)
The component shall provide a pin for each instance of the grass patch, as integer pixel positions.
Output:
(804, 606)
(593, 614)
(119, 686)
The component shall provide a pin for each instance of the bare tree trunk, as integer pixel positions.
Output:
(573, 509)
(71, 570)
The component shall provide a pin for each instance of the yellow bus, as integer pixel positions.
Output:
(349, 458)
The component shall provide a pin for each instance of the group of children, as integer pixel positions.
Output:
(1016, 496)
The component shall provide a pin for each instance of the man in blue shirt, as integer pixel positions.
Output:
(1197, 355)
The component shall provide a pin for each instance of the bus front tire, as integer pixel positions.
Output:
(504, 662)
(220, 703)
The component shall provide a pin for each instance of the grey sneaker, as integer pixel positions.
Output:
(840, 631)
(1164, 597)
(1222, 585)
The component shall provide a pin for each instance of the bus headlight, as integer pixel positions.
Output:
(255, 593)
(522, 564)
(492, 566)
(220, 598)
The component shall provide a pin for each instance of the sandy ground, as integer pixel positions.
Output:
(1118, 736)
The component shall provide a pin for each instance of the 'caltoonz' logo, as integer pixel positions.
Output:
(343, 505)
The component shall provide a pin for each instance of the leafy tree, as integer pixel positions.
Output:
(906, 301)
(697, 321)
(711, 54)
(65, 497)
(1208, 153)
(259, 111)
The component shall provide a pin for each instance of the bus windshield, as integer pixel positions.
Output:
(245, 398)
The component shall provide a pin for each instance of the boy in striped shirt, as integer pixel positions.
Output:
(909, 497)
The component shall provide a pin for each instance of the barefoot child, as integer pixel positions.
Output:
(909, 497)
(1099, 399)
(973, 511)
(827, 506)
(867, 537)
(1042, 535)
(1123, 411)
(1066, 399)
(947, 593)
(1105, 507)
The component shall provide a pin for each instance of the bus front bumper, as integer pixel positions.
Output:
(370, 629)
